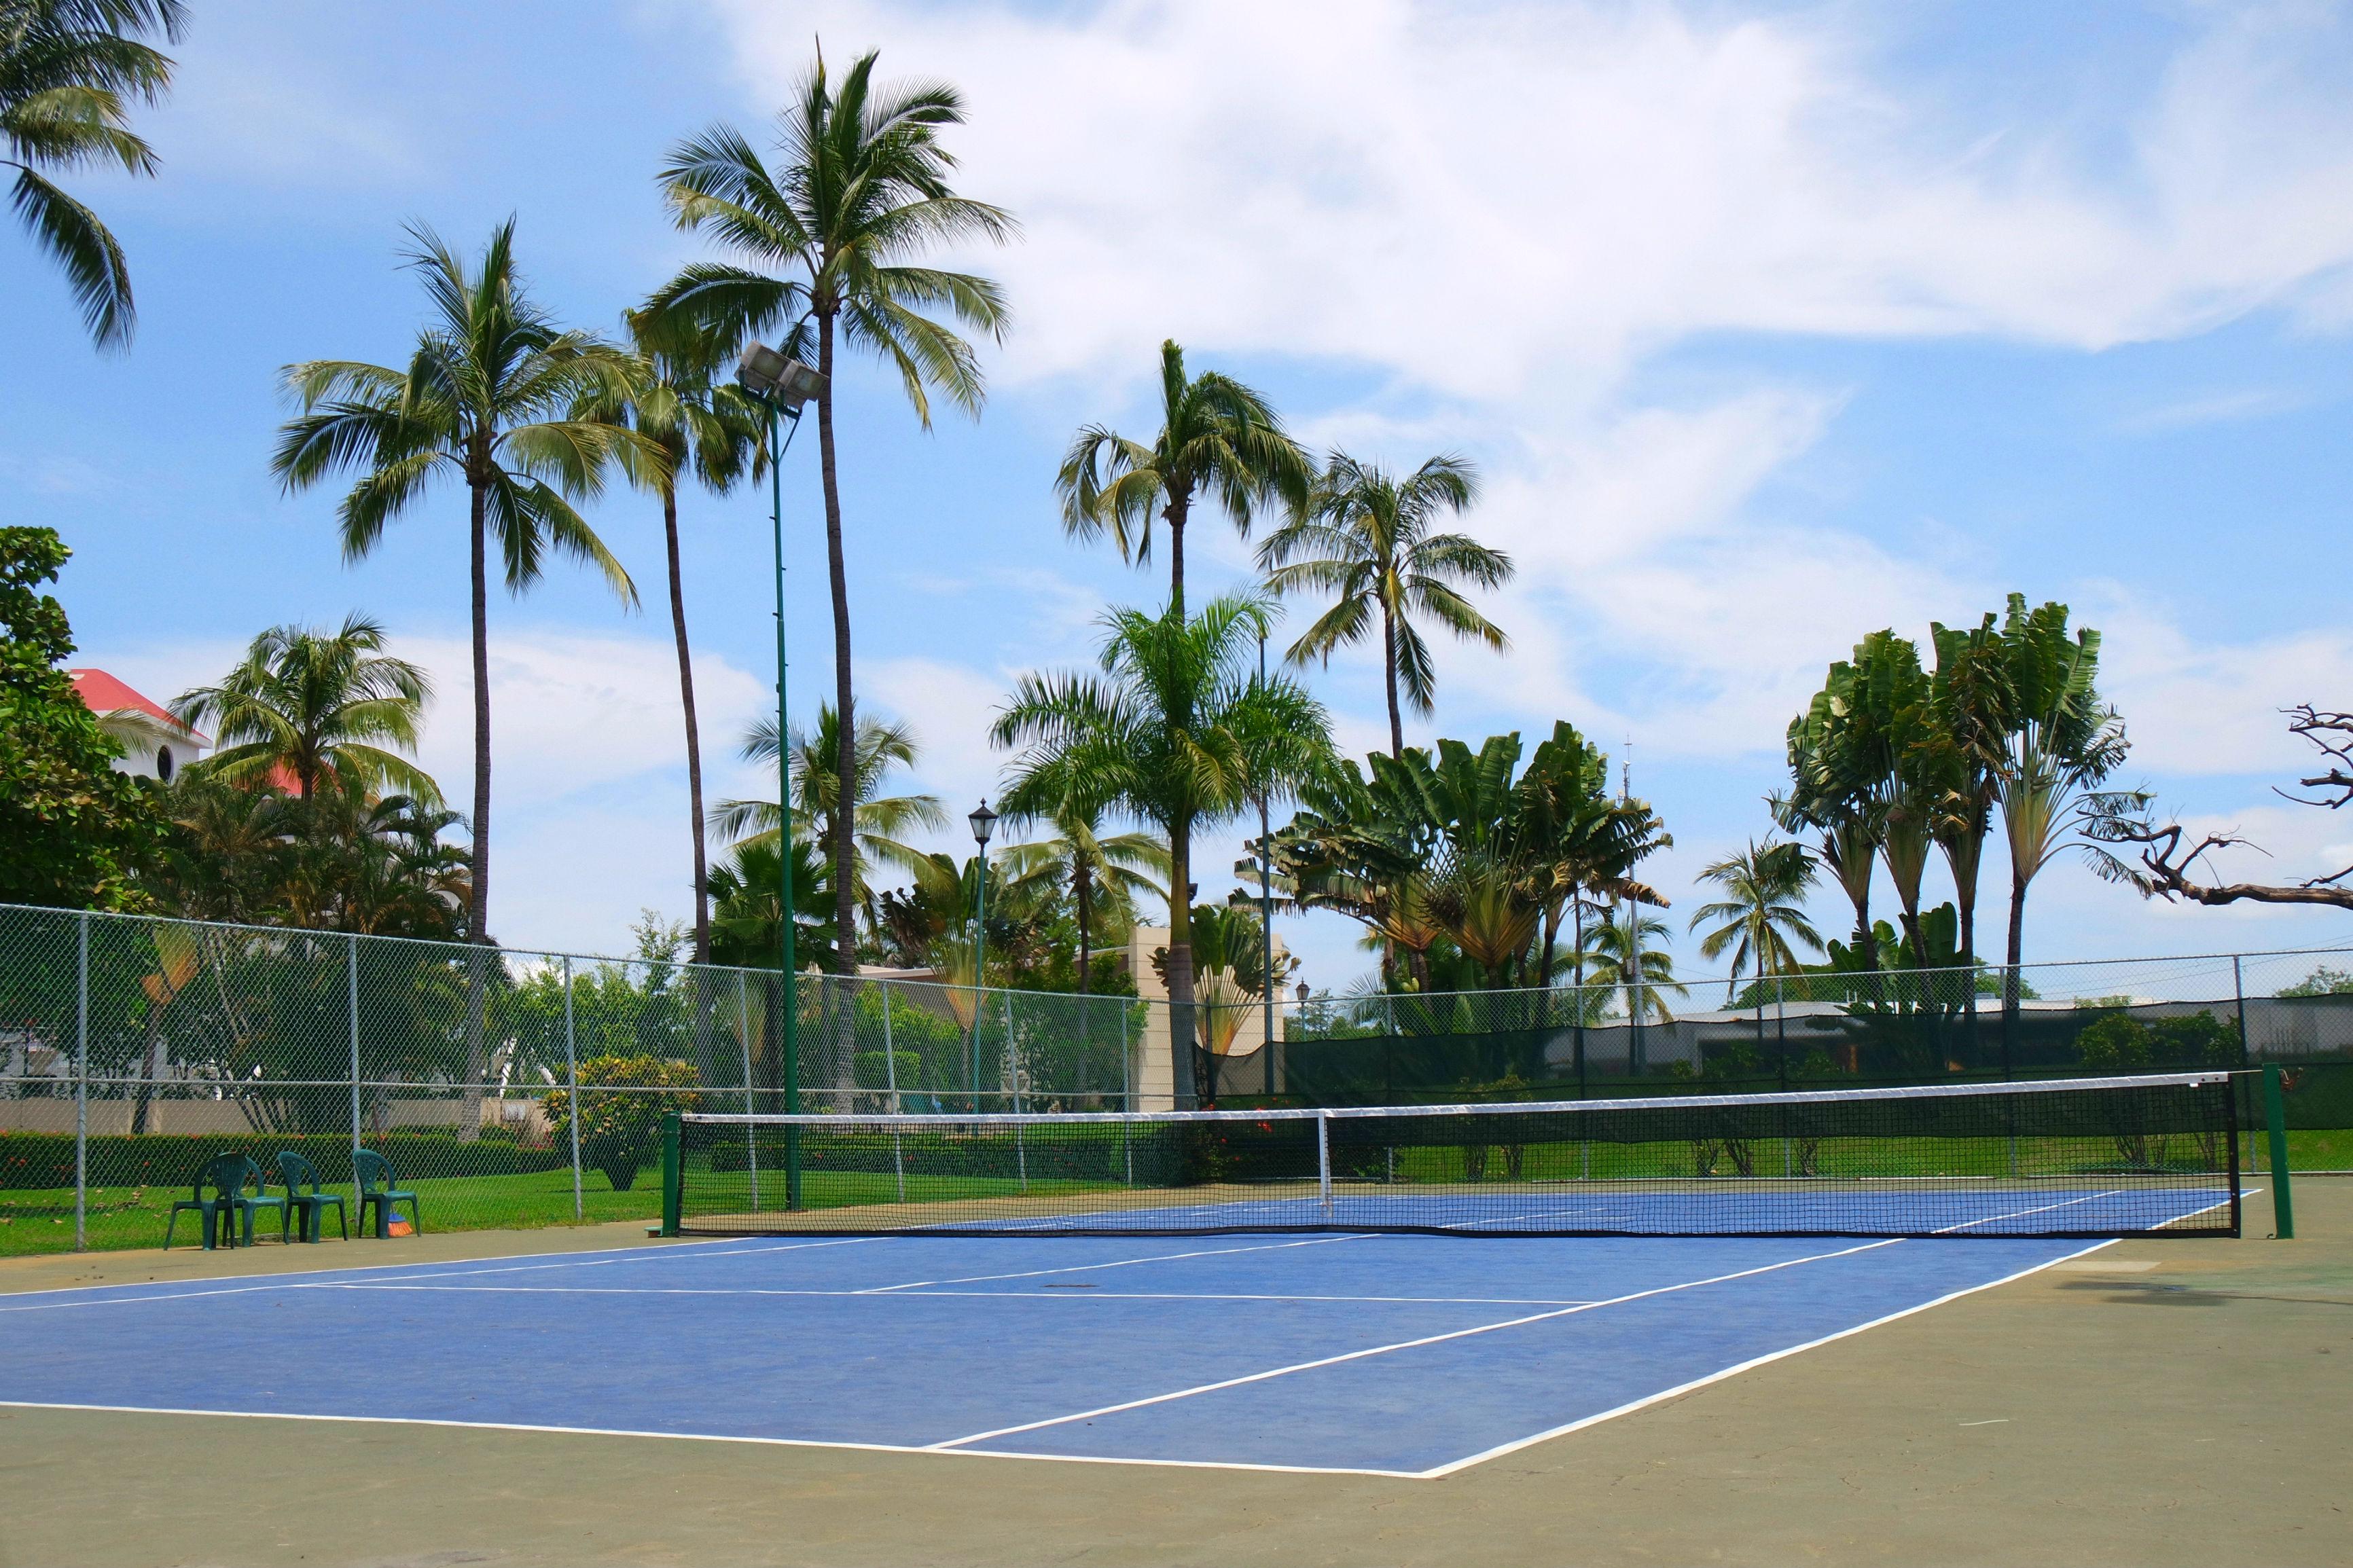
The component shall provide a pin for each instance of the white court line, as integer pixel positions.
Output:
(2046, 1208)
(1650, 1399)
(1401, 1345)
(1089, 1295)
(1115, 1263)
(309, 1279)
(602, 1252)
(711, 1437)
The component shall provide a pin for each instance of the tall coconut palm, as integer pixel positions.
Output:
(305, 703)
(878, 822)
(676, 401)
(69, 71)
(491, 397)
(1092, 864)
(1760, 922)
(859, 190)
(1217, 440)
(1365, 537)
(1179, 729)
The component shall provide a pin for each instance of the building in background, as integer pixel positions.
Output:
(154, 744)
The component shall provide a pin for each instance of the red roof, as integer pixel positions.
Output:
(103, 693)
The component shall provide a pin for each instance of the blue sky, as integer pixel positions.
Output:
(1770, 325)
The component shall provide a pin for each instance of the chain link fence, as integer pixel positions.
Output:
(507, 1089)
(513, 1089)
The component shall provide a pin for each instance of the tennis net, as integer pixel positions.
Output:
(2081, 1157)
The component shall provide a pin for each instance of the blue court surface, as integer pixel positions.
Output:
(1399, 1355)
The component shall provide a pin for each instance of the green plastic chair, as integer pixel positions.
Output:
(222, 1176)
(228, 1175)
(305, 1202)
(375, 1179)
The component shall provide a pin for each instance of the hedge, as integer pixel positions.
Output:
(36, 1160)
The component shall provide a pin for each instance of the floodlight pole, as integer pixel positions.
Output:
(787, 1041)
(1266, 895)
(783, 386)
(984, 823)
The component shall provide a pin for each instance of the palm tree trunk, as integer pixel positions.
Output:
(694, 738)
(1182, 1030)
(1181, 502)
(1079, 890)
(2010, 991)
(845, 764)
(1389, 665)
(469, 1126)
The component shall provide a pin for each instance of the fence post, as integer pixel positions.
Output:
(2239, 990)
(572, 1086)
(82, 1084)
(751, 1105)
(891, 1082)
(2275, 1131)
(1013, 1071)
(352, 1005)
(1126, 1069)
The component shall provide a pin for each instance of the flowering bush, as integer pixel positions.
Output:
(623, 1101)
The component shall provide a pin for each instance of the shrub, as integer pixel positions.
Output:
(38, 1161)
(623, 1101)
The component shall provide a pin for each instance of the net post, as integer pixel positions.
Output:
(82, 1084)
(2275, 1136)
(1324, 1161)
(671, 1167)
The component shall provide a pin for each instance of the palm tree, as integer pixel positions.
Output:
(1629, 951)
(1364, 538)
(1217, 439)
(69, 69)
(675, 401)
(1760, 917)
(1180, 731)
(307, 704)
(2061, 741)
(1094, 865)
(878, 821)
(489, 397)
(861, 189)
(493, 396)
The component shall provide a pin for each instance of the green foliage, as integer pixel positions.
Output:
(69, 71)
(623, 1101)
(45, 1160)
(2121, 1044)
(2323, 980)
(72, 830)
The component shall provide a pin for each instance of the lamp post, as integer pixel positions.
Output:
(983, 824)
(1266, 897)
(783, 386)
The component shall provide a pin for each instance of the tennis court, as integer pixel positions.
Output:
(1405, 1355)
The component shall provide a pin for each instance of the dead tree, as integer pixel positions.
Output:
(2167, 863)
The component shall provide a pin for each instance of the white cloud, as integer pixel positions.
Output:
(2196, 709)
(1627, 177)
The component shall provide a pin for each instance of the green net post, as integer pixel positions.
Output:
(670, 1174)
(2275, 1133)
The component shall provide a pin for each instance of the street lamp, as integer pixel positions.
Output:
(784, 387)
(983, 824)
